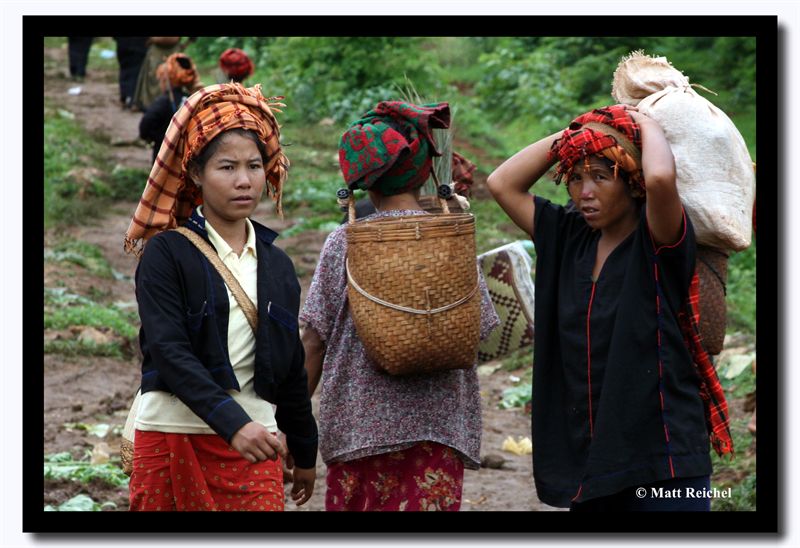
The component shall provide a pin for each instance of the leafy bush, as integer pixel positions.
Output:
(327, 76)
(741, 299)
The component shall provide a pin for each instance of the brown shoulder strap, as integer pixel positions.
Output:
(247, 306)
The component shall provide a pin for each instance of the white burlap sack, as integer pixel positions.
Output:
(715, 174)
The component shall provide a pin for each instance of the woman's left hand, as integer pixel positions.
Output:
(303, 484)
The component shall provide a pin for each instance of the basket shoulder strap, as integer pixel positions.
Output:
(247, 306)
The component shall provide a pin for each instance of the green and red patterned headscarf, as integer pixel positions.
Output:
(608, 131)
(390, 148)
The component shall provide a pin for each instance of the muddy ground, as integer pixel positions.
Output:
(98, 390)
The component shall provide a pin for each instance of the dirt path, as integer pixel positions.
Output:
(91, 390)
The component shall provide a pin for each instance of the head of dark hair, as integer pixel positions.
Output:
(184, 62)
(198, 162)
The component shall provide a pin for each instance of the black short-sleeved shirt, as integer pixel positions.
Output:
(616, 398)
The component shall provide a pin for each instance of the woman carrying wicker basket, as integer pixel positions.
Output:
(625, 398)
(390, 442)
(214, 363)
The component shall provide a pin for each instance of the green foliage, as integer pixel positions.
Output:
(516, 396)
(561, 77)
(493, 227)
(126, 183)
(75, 347)
(338, 77)
(521, 358)
(739, 473)
(736, 374)
(67, 147)
(63, 310)
(325, 223)
(81, 503)
(60, 466)
(742, 499)
(741, 299)
(83, 254)
(94, 315)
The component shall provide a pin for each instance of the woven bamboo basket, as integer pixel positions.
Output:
(712, 269)
(432, 204)
(413, 291)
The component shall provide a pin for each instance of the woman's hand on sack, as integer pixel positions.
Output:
(255, 443)
(303, 484)
(637, 116)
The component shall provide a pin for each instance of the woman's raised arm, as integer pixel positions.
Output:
(510, 182)
(664, 208)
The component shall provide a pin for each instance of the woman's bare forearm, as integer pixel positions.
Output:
(511, 181)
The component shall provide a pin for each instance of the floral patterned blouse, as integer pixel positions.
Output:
(365, 412)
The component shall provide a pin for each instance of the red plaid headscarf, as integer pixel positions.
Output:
(611, 132)
(236, 64)
(170, 196)
(608, 131)
(390, 149)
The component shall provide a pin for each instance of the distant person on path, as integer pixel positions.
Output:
(235, 65)
(220, 375)
(389, 442)
(131, 51)
(178, 79)
(78, 48)
(624, 395)
(148, 85)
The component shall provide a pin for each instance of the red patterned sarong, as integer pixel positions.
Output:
(426, 476)
(200, 472)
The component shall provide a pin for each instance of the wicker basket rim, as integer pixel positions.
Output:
(409, 220)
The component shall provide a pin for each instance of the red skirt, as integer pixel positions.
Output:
(426, 476)
(200, 472)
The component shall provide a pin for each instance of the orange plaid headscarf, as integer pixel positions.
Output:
(171, 73)
(169, 195)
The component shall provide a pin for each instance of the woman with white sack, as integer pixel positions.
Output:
(715, 174)
(625, 399)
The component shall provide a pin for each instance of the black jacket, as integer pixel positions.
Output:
(155, 120)
(183, 306)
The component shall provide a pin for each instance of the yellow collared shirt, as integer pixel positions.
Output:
(163, 412)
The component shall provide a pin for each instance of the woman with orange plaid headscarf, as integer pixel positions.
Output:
(625, 398)
(220, 375)
(178, 78)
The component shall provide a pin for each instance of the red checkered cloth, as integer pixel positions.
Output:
(462, 175)
(390, 148)
(170, 195)
(609, 131)
(711, 392)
